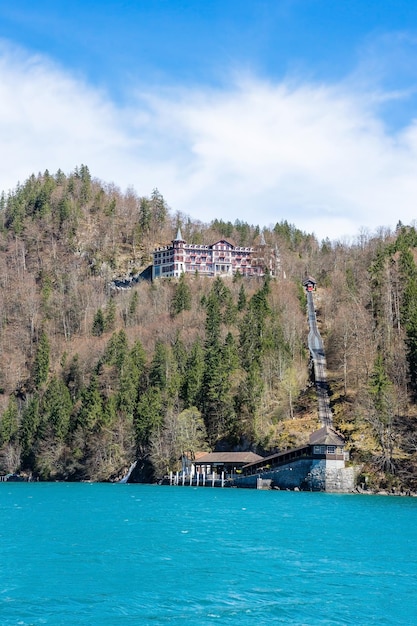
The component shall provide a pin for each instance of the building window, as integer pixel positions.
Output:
(331, 449)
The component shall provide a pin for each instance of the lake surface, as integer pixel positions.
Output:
(109, 554)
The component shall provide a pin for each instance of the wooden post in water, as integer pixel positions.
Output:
(170, 478)
(177, 479)
(183, 478)
(212, 478)
(196, 479)
(222, 479)
(204, 478)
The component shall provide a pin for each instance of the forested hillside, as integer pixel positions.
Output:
(93, 377)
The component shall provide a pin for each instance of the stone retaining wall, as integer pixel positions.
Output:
(307, 474)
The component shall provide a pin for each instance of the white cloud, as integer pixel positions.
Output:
(316, 155)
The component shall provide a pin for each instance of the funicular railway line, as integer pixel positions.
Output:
(315, 345)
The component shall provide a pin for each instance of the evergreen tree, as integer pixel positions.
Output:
(9, 422)
(98, 324)
(145, 216)
(29, 428)
(41, 363)
(159, 208)
(193, 379)
(56, 408)
(132, 381)
(149, 416)
(180, 355)
(116, 350)
(91, 408)
(408, 271)
(241, 303)
(182, 296)
(110, 315)
(164, 371)
(217, 402)
(381, 413)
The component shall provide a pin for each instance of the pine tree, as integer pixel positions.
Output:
(149, 415)
(182, 297)
(132, 381)
(110, 315)
(98, 324)
(241, 303)
(56, 408)
(91, 408)
(29, 428)
(40, 368)
(116, 350)
(9, 422)
(193, 379)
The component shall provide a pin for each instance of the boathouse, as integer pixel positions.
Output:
(317, 466)
(230, 463)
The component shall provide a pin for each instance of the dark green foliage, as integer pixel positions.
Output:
(216, 397)
(9, 423)
(91, 410)
(110, 315)
(225, 229)
(230, 353)
(180, 355)
(380, 386)
(192, 383)
(241, 303)
(182, 296)
(98, 324)
(145, 216)
(132, 381)
(85, 191)
(149, 415)
(116, 350)
(41, 363)
(252, 329)
(408, 271)
(56, 408)
(292, 235)
(159, 208)
(164, 372)
(29, 426)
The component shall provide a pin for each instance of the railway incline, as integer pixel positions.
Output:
(315, 345)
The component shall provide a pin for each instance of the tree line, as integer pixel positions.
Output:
(92, 378)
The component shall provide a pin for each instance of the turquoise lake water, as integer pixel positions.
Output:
(138, 554)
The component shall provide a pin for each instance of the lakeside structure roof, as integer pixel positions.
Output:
(228, 457)
(326, 436)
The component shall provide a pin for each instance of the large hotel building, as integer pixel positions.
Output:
(221, 258)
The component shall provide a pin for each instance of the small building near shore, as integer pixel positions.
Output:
(326, 443)
(228, 462)
(317, 466)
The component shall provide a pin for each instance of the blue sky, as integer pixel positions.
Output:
(257, 110)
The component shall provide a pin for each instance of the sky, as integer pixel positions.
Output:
(252, 110)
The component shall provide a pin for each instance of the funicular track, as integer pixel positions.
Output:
(315, 345)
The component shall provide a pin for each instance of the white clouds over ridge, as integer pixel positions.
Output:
(316, 155)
